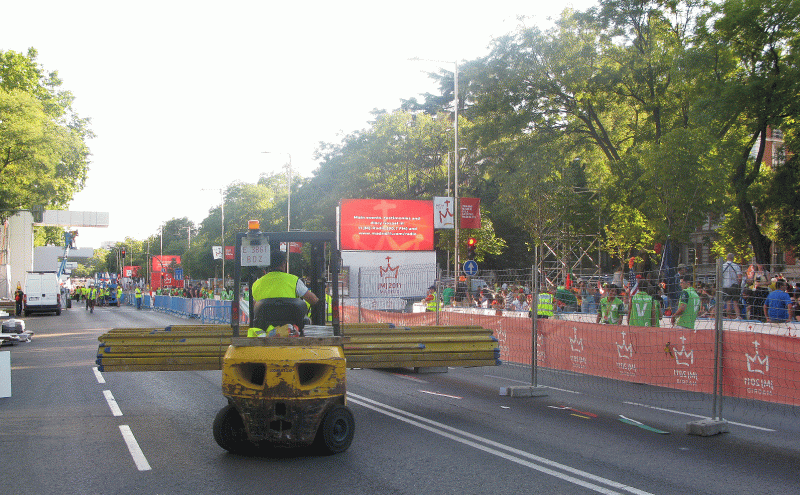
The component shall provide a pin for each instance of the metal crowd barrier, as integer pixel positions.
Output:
(206, 310)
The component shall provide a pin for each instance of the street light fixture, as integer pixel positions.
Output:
(455, 152)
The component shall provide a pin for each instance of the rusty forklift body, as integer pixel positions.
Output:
(285, 391)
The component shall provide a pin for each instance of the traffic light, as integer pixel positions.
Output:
(122, 253)
(472, 243)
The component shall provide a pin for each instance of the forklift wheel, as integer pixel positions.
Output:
(229, 431)
(336, 431)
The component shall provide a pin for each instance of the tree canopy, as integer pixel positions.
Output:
(634, 121)
(44, 155)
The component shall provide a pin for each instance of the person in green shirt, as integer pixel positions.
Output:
(644, 310)
(447, 295)
(611, 309)
(688, 305)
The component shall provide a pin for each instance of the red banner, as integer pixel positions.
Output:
(470, 213)
(163, 263)
(386, 225)
(230, 253)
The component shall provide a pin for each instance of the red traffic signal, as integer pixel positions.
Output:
(472, 243)
(122, 253)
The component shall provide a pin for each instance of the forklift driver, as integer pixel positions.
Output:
(277, 283)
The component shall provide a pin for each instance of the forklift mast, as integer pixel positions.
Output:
(253, 248)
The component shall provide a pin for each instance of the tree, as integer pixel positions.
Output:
(783, 199)
(628, 233)
(43, 152)
(754, 82)
(401, 156)
(177, 235)
(243, 202)
(98, 263)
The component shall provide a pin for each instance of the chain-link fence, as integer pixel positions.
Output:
(675, 332)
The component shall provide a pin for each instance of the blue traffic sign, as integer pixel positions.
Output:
(471, 267)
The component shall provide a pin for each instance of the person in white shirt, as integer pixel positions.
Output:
(731, 285)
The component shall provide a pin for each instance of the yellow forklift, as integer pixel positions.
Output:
(285, 391)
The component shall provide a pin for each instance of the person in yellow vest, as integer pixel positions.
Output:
(92, 298)
(119, 295)
(329, 306)
(277, 283)
(138, 296)
(544, 308)
(431, 299)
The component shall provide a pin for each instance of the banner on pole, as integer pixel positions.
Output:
(444, 213)
(470, 213)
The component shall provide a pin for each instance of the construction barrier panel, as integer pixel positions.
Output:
(761, 361)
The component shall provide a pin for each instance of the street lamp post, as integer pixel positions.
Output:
(222, 229)
(457, 223)
(288, 200)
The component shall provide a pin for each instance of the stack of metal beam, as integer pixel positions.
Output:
(383, 346)
(373, 345)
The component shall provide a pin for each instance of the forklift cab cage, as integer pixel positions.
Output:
(271, 241)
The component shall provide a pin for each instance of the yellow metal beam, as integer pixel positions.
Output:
(368, 345)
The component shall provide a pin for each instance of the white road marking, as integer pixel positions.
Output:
(112, 403)
(517, 456)
(98, 375)
(695, 415)
(133, 447)
(440, 395)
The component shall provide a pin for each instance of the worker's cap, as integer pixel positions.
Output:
(276, 259)
(432, 287)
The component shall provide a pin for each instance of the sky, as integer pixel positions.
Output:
(186, 96)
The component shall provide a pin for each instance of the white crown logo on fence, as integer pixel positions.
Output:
(683, 357)
(389, 271)
(575, 343)
(624, 351)
(757, 364)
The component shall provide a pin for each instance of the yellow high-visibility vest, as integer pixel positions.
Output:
(545, 307)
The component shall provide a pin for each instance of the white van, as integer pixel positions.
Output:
(42, 293)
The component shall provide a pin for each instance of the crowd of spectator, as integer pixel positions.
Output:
(756, 298)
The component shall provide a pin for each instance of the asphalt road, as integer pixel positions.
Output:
(70, 429)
